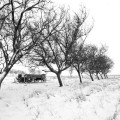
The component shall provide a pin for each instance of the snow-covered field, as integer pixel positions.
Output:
(98, 100)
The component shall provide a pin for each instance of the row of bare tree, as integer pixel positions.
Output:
(92, 60)
(41, 34)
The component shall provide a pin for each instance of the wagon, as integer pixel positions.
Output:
(35, 77)
(28, 78)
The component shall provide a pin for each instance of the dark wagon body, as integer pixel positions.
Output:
(31, 78)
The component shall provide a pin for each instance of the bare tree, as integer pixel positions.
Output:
(79, 59)
(104, 65)
(56, 51)
(97, 62)
(16, 19)
(89, 66)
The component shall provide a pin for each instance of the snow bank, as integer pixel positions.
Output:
(98, 100)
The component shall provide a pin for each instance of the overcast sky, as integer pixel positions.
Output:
(106, 31)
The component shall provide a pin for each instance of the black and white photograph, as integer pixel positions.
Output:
(59, 60)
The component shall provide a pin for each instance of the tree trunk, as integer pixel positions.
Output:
(101, 76)
(2, 76)
(91, 76)
(97, 76)
(79, 76)
(105, 76)
(59, 79)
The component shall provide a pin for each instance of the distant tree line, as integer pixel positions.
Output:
(89, 58)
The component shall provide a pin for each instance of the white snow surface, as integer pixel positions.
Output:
(98, 100)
